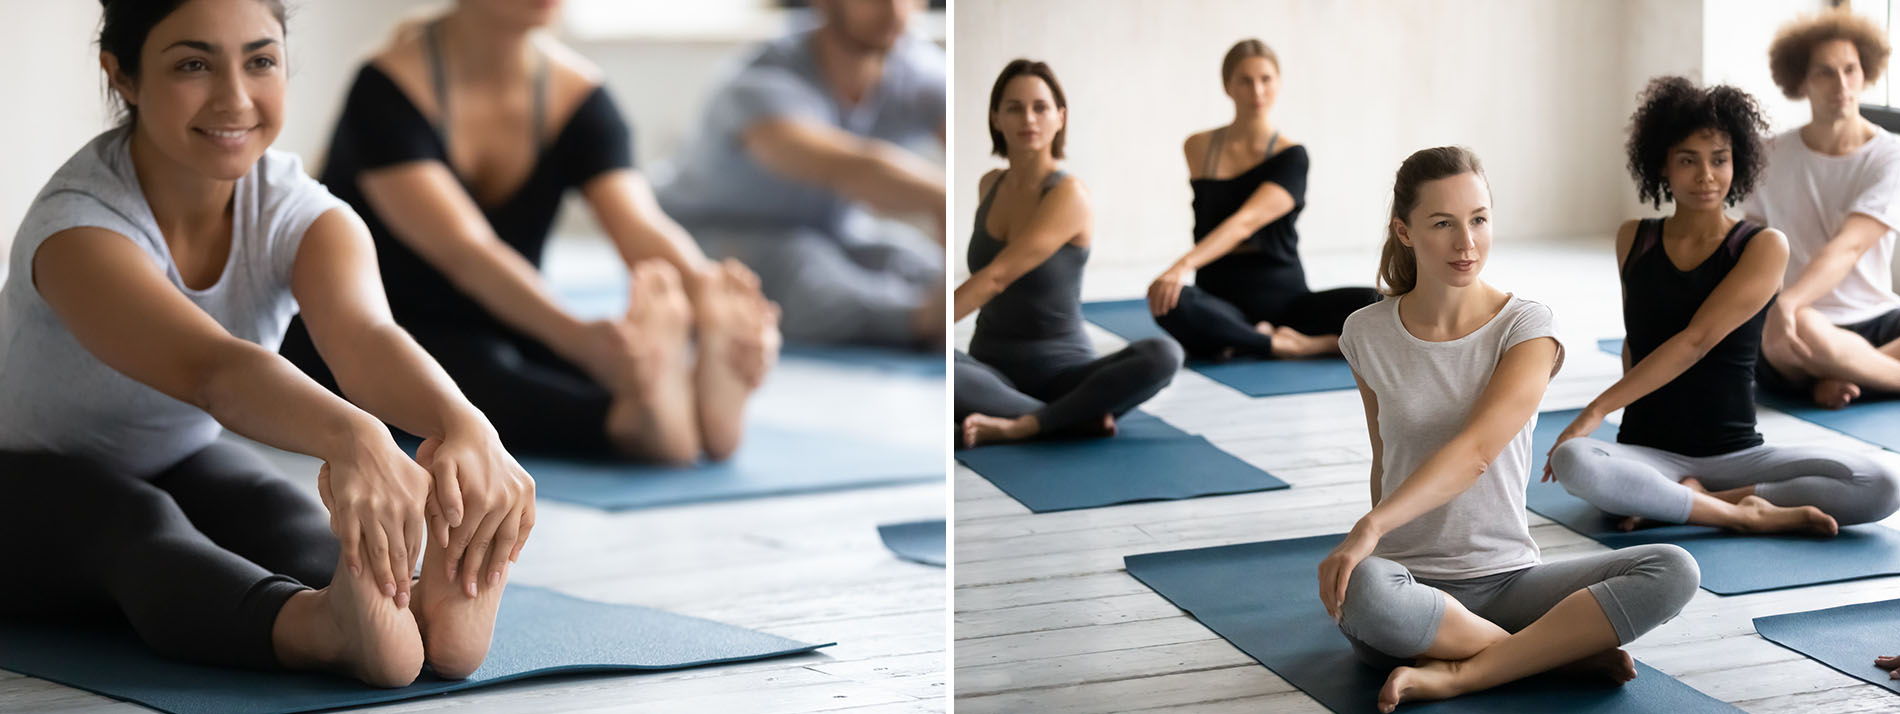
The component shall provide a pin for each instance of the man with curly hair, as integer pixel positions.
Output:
(1833, 186)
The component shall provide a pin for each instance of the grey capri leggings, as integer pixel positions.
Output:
(1630, 480)
(1391, 617)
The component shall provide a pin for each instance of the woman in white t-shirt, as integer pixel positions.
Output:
(152, 280)
(1441, 581)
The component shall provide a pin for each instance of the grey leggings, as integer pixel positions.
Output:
(1630, 480)
(1391, 617)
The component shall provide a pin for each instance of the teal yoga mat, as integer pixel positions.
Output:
(1263, 598)
(1131, 320)
(1732, 563)
(538, 632)
(920, 541)
(772, 462)
(1147, 460)
(1846, 638)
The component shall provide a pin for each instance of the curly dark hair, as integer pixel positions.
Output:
(1672, 109)
(1795, 42)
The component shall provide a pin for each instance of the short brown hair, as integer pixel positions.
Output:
(1244, 49)
(1398, 265)
(1026, 68)
(1795, 42)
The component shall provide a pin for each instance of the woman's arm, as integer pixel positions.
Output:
(1063, 214)
(623, 201)
(1740, 295)
(1371, 403)
(1267, 204)
(882, 175)
(385, 372)
(428, 210)
(1508, 402)
(117, 303)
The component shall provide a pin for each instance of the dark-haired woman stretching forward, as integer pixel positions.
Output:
(152, 279)
(1031, 369)
(1696, 289)
(1249, 295)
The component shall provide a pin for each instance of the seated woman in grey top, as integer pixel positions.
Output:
(1440, 581)
(1031, 369)
(151, 283)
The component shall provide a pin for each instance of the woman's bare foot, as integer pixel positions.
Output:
(1614, 665)
(1835, 393)
(349, 628)
(738, 344)
(455, 628)
(1108, 425)
(1289, 343)
(652, 416)
(1431, 679)
(1760, 516)
(1733, 495)
(979, 429)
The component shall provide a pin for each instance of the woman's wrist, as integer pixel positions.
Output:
(469, 424)
(354, 438)
(1371, 525)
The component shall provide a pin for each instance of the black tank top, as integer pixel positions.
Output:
(380, 127)
(1044, 303)
(1276, 246)
(1710, 408)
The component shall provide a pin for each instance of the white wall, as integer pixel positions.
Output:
(66, 91)
(1541, 89)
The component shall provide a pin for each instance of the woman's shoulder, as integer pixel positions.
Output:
(1369, 318)
(1522, 313)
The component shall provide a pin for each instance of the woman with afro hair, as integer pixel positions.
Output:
(1697, 288)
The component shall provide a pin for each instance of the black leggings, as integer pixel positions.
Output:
(1067, 390)
(199, 559)
(538, 402)
(1217, 314)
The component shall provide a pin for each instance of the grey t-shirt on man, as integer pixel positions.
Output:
(718, 184)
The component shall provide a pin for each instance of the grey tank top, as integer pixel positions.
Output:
(54, 395)
(1045, 303)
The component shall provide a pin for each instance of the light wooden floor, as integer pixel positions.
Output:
(1046, 619)
(806, 567)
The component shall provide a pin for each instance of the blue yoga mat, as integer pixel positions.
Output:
(1732, 563)
(1846, 638)
(1147, 460)
(1131, 320)
(1875, 420)
(1264, 598)
(538, 632)
(921, 541)
(771, 462)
